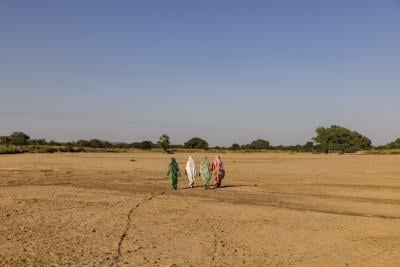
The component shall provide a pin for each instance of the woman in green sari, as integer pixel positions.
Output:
(205, 172)
(173, 173)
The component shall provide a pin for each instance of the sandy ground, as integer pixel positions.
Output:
(274, 210)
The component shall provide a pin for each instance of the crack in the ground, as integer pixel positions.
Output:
(215, 250)
(23, 254)
(218, 242)
(219, 248)
(122, 238)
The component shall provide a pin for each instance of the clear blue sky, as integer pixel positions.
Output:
(225, 70)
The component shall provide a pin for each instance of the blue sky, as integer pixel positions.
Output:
(227, 71)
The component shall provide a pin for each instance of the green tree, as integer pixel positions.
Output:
(122, 145)
(54, 143)
(19, 139)
(96, 143)
(107, 144)
(322, 139)
(393, 145)
(259, 144)
(196, 142)
(82, 143)
(38, 142)
(308, 147)
(5, 140)
(340, 139)
(235, 147)
(146, 145)
(164, 142)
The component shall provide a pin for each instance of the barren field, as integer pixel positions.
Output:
(274, 210)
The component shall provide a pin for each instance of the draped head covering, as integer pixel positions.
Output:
(205, 170)
(173, 168)
(191, 168)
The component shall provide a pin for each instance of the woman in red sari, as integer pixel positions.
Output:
(217, 168)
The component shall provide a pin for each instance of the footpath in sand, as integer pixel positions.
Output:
(275, 210)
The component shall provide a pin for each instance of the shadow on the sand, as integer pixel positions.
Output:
(231, 185)
(196, 186)
(213, 188)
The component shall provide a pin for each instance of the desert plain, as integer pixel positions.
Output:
(274, 209)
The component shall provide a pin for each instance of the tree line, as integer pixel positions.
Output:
(335, 139)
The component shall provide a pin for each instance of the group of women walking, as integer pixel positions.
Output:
(206, 171)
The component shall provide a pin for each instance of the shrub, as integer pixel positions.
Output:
(196, 143)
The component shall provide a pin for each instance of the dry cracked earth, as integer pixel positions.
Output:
(275, 209)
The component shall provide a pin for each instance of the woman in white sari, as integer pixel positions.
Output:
(190, 171)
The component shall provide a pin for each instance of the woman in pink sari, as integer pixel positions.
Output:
(217, 168)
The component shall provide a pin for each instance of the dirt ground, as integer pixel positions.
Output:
(275, 209)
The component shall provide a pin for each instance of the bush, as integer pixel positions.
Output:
(235, 147)
(257, 145)
(196, 143)
(10, 150)
(146, 145)
(393, 145)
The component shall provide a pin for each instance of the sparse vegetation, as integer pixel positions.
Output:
(335, 139)
(392, 145)
(257, 145)
(145, 145)
(5, 140)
